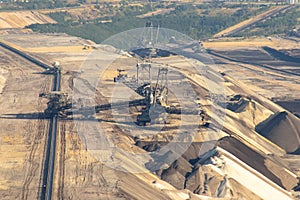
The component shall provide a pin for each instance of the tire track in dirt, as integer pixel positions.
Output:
(36, 142)
(61, 157)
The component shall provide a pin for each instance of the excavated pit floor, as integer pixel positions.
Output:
(80, 174)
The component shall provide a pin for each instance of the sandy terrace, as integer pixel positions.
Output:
(20, 19)
(231, 43)
(35, 40)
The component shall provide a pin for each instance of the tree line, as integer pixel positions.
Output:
(185, 19)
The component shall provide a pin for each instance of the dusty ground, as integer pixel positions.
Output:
(273, 83)
(78, 173)
(81, 173)
(22, 140)
(20, 19)
(254, 42)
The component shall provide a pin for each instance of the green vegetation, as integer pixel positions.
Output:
(200, 21)
(35, 4)
(281, 24)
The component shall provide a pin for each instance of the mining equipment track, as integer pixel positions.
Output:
(48, 168)
(48, 173)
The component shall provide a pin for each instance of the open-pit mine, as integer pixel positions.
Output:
(148, 124)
